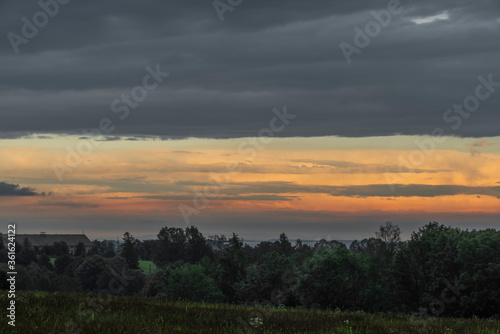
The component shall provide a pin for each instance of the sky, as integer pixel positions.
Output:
(320, 119)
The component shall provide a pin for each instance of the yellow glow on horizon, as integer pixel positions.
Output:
(120, 178)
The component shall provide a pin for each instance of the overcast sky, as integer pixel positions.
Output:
(359, 103)
(226, 75)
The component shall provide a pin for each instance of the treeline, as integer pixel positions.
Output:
(439, 271)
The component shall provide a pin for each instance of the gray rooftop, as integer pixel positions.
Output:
(41, 240)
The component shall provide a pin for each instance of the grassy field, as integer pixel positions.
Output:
(38, 312)
(145, 267)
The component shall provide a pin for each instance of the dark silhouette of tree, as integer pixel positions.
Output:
(391, 235)
(104, 248)
(232, 267)
(187, 282)
(268, 281)
(44, 261)
(145, 248)
(479, 281)
(171, 246)
(335, 278)
(332, 244)
(80, 249)
(285, 246)
(128, 251)
(424, 265)
(27, 254)
(266, 247)
(218, 243)
(61, 248)
(62, 263)
(196, 247)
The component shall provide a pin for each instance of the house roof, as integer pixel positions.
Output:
(41, 240)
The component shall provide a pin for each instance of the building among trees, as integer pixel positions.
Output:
(43, 240)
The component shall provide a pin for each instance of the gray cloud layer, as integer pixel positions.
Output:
(69, 205)
(227, 76)
(7, 189)
(371, 190)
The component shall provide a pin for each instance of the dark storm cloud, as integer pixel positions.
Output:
(7, 189)
(227, 76)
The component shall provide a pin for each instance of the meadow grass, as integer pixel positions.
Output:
(145, 266)
(40, 312)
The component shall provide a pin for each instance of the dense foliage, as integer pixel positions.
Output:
(439, 271)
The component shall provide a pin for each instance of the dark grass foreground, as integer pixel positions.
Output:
(39, 312)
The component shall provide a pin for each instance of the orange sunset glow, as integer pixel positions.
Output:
(322, 180)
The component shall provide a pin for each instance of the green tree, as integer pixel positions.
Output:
(391, 236)
(263, 248)
(129, 252)
(334, 278)
(61, 248)
(232, 267)
(268, 281)
(145, 248)
(285, 245)
(44, 261)
(96, 272)
(93, 274)
(425, 266)
(196, 247)
(171, 246)
(43, 278)
(381, 252)
(80, 249)
(104, 248)
(188, 283)
(62, 263)
(27, 254)
(479, 256)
